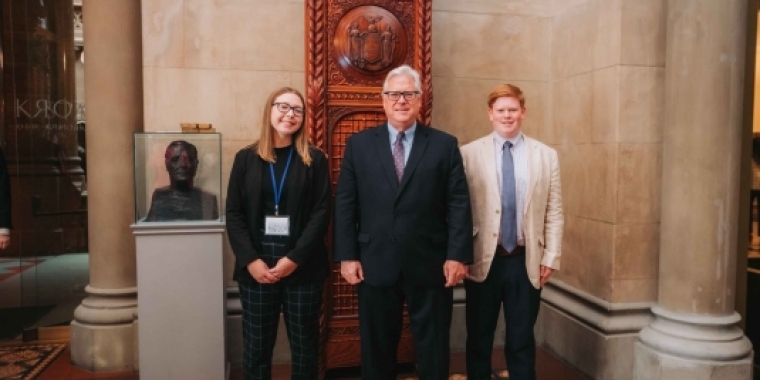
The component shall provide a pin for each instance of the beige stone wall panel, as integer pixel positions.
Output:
(606, 105)
(639, 183)
(587, 255)
(589, 180)
(597, 34)
(643, 32)
(231, 100)
(574, 35)
(496, 46)
(628, 104)
(573, 109)
(206, 34)
(161, 86)
(636, 251)
(163, 33)
(545, 8)
(607, 46)
(642, 103)
(174, 96)
(298, 81)
(264, 35)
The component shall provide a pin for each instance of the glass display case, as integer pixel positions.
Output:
(178, 177)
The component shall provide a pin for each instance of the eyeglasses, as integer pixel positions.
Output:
(396, 95)
(285, 108)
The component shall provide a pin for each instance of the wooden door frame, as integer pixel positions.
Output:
(332, 95)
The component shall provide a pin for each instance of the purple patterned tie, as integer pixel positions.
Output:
(398, 155)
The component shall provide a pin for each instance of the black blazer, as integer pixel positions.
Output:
(408, 228)
(5, 193)
(308, 207)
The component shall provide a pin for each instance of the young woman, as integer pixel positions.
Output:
(277, 218)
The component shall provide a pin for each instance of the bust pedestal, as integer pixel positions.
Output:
(181, 300)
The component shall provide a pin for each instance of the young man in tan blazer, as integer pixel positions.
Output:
(517, 226)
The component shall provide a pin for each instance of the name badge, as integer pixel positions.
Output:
(277, 225)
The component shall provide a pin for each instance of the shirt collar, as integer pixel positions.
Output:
(498, 140)
(408, 134)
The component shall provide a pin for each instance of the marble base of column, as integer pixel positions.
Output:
(677, 346)
(103, 331)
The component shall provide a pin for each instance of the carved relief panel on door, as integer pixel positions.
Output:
(369, 41)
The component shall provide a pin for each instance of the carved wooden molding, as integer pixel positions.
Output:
(316, 79)
(345, 96)
(425, 58)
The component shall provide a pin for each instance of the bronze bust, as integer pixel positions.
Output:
(181, 200)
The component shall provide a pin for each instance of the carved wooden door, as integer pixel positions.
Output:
(350, 47)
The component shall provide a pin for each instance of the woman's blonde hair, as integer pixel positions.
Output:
(265, 146)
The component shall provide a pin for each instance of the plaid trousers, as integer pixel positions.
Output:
(262, 304)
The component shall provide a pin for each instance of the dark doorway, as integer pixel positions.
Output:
(44, 269)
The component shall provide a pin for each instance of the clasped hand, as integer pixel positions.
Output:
(265, 275)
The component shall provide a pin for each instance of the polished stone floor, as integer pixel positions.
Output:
(548, 367)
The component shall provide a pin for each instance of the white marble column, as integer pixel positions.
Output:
(693, 334)
(103, 332)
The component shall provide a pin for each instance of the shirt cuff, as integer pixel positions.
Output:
(5, 231)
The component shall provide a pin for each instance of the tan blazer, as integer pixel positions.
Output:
(543, 207)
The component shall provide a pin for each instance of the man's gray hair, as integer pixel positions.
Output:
(404, 70)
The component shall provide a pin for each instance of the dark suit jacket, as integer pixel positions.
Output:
(408, 228)
(308, 208)
(5, 193)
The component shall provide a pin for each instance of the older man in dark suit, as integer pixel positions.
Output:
(403, 231)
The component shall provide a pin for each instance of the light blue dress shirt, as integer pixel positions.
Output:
(407, 141)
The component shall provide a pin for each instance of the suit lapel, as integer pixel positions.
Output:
(488, 165)
(418, 149)
(534, 169)
(383, 148)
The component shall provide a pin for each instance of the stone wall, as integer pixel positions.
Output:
(607, 85)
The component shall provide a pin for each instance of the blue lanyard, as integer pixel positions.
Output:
(278, 192)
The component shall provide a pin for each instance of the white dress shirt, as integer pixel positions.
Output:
(520, 159)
